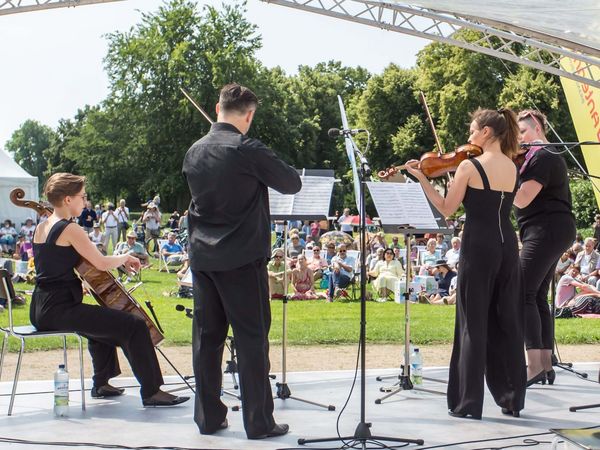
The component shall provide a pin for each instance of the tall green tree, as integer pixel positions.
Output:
(28, 144)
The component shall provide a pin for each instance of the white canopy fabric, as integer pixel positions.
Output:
(566, 22)
(12, 176)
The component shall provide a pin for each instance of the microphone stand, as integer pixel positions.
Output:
(362, 434)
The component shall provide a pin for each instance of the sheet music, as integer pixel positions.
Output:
(402, 204)
(313, 199)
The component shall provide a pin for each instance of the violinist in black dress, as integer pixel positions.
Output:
(547, 229)
(488, 338)
(58, 245)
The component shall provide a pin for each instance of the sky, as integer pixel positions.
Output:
(52, 59)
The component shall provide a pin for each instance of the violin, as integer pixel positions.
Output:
(104, 287)
(437, 164)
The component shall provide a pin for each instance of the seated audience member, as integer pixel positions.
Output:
(295, 247)
(451, 298)
(182, 272)
(428, 257)
(98, 238)
(342, 271)
(453, 254)
(302, 281)
(377, 241)
(23, 249)
(305, 230)
(444, 276)
(275, 271)
(374, 258)
(587, 260)
(173, 222)
(395, 243)
(386, 274)
(441, 243)
(564, 262)
(579, 297)
(8, 237)
(579, 239)
(172, 250)
(310, 243)
(330, 252)
(132, 247)
(28, 229)
(317, 264)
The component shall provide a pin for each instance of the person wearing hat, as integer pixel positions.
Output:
(98, 238)
(132, 247)
(151, 219)
(443, 275)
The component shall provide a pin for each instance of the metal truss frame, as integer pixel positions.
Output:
(501, 40)
(18, 6)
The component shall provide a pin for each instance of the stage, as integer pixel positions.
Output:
(409, 415)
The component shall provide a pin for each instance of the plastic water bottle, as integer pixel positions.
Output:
(61, 392)
(416, 368)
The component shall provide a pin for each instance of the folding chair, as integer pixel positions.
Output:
(29, 331)
(162, 261)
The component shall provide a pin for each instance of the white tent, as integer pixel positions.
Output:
(12, 176)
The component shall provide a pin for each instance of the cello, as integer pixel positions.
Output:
(104, 287)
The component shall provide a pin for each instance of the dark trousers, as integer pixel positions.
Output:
(542, 246)
(105, 329)
(239, 297)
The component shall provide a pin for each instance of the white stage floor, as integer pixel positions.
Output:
(408, 415)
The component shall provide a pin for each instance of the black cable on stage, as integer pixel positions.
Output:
(95, 444)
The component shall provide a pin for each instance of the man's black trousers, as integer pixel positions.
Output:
(239, 297)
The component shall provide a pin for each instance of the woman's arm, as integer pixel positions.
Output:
(76, 237)
(527, 193)
(456, 193)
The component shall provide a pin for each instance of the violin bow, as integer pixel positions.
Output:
(435, 135)
(198, 107)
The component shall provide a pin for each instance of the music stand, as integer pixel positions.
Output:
(310, 203)
(403, 207)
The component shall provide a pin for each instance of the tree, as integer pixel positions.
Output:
(28, 144)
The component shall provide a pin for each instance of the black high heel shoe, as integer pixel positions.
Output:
(509, 412)
(540, 377)
(551, 376)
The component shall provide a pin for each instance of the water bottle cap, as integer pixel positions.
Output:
(61, 366)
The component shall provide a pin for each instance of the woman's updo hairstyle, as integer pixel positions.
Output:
(504, 123)
(62, 184)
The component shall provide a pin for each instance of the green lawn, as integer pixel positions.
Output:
(315, 322)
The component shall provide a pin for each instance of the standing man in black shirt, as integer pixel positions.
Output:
(229, 226)
(547, 229)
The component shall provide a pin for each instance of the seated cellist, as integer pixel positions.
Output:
(58, 245)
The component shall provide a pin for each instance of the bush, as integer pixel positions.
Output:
(584, 203)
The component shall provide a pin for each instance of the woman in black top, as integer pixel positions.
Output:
(488, 337)
(59, 243)
(547, 229)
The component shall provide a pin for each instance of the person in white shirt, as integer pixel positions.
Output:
(98, 237)
(110, 222)
(122, 220)
(453, 254)
(345, 227)
(28, 229)
(152, 220)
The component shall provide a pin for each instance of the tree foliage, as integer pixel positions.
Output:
(28, 144)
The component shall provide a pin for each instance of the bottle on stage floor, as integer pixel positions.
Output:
(416, 367)
(61, 392)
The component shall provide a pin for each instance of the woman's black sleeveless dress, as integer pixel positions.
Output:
(57, 305)
(488, 336)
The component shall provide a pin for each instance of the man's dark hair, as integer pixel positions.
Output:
(236, 98)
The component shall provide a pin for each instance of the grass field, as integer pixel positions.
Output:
(313, 322)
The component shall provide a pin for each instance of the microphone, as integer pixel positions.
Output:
(336, 132)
